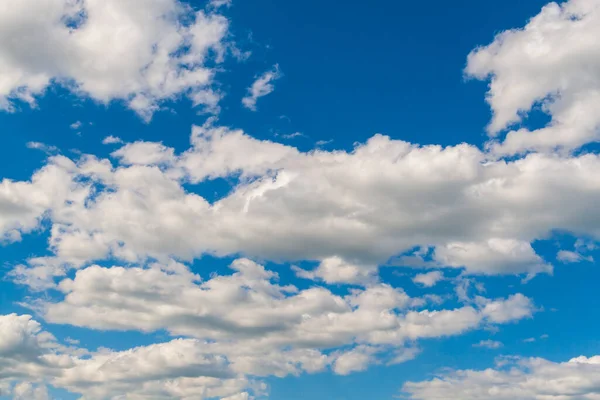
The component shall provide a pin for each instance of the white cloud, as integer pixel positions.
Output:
(428, 279)
(109, 50)
(516, 378)
(494, 255)
(75, 125)
(248, 306)
(567, 257)
(144, 153)
(262, 328)
(261, 87)
(43, 147)
(27, 391)
(355, 360)
(23, 204)
(514, 308)
(255, 329)
(284, 198)
(489, 344)
(335, 270)
(181, 368)
(111, 140)
(554, 61)
(221, 3)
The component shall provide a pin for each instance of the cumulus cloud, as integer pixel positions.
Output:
(261, 87)
(242, 326)
(428, 279)
(516, 378)
(354, 360)
(181, 368)
(494, 255)
(112, 140)
(24, 203)
(285, 204)
(109, 50)
(251, 309)
(246, 327)
(346, 211)
(335, 270)
(551, 62)
(144, 153)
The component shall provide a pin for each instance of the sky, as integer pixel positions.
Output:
(278, 200)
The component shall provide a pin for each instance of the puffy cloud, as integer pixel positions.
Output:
(261, 87)
(144, 153)
(552, 61)
(229, 362)
(428, 279)
(23, 204)
(27, 391)
(112, 140)
(514, 308)
(27, 354)
(494, 256)
(357, 359)
(335, 270)
(182, 368)
(286, 205)
(257, 315)
(516, 378)
(141, 52)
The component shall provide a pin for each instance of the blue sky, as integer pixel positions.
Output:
(290, 200)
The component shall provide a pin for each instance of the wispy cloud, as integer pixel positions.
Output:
(261, 87)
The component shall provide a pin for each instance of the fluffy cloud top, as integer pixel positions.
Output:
(552, 61)
(250, 309)
(141, 52)
(516, 378)
(476, 214)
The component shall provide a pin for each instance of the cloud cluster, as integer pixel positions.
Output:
(516, 378)
(182, 368)
(551, 63)
(346, 212)
(247, 306)
(470, 212)
(24, 203)
(238, 328)
(141, 52)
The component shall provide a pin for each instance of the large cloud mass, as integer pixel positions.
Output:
(141, 52)
(125, 229)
